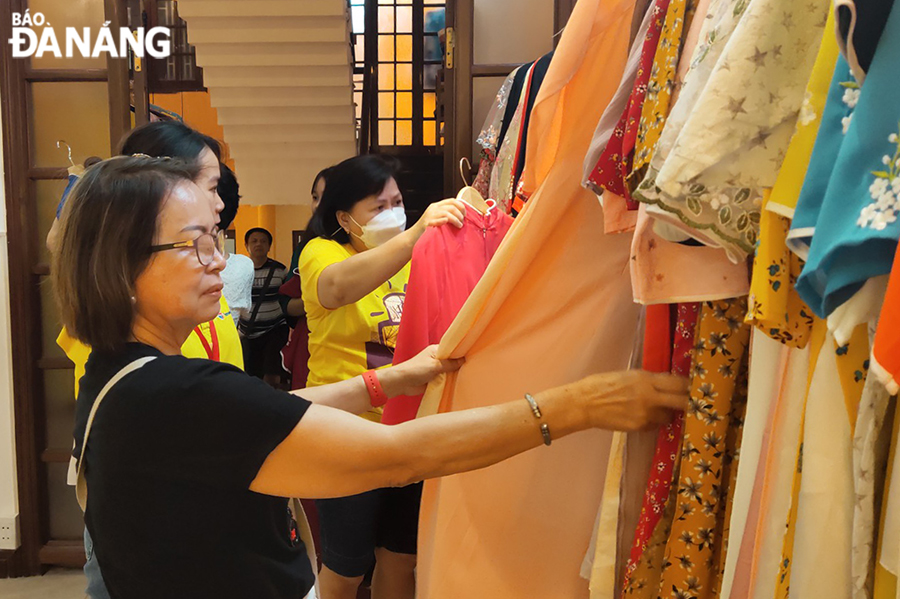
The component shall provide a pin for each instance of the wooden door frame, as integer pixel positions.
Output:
(458, 84)
(37, 550)
(24, 311)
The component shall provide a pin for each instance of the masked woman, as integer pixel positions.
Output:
(353, 274)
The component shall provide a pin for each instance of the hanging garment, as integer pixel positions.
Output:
(614, 109)
(863, 307)
(616, 160)
(603, 583)
(843, 96)
(871, 443)
(711, 440)
(501, 187)
(520, 79)
(856, 234)
(783, 199)
(645, 579)
(733, 123)
(667, 272)
(446, 265)
(496, 532)
(815, 561)
(885, 363)
(885, 576)
(668, 442)
(775, 307)
(680, 35)
(772, 486)
(538, 73)
(489, 138)
(860, 26)
(767, 361)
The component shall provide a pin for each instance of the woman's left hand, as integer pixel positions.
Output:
(412, 377)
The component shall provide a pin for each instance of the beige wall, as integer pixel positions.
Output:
(9, 505)
(512, 30)
(506, 31)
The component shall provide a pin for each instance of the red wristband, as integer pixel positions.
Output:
(377, 395)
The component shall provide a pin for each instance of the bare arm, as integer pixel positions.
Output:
(52, 235)
(331, 453)
(409, 378)
(295, 307)
(350, 280)
(350, 395)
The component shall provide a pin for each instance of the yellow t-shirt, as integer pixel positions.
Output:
(352, 339)
(230, 350)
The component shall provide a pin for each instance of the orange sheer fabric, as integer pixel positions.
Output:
(554, 305)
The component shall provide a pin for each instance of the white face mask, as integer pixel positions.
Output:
(385, 226)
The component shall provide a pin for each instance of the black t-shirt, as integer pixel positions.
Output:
(173, 449)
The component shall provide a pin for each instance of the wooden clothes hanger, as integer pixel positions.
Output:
(469, 194)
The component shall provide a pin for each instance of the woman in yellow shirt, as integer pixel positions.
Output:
(354, 272)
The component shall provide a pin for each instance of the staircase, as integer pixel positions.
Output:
(279, 73)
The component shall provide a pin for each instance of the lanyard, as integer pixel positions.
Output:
(212, 352)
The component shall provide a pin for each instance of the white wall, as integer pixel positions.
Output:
(9, 505)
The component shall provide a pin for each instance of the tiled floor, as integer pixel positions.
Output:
(55, 584)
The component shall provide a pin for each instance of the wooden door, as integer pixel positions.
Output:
(86, 102)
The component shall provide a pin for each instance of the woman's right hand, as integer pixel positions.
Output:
(631, 400)
(440, 213)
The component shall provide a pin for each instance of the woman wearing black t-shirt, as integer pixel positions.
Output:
(188, 462)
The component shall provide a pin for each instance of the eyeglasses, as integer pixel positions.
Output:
(205, 245)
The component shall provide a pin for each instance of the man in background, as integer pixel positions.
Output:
(264, 331)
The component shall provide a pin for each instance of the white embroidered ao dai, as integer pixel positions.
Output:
(727, 135)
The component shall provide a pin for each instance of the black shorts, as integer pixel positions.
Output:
(262, 355)
(352, 527)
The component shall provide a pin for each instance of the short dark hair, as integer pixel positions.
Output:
(230, 192)
(105, 244)
(257, 230)
(348, 183)
(168, 138)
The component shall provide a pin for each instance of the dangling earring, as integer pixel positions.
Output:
(133, 300)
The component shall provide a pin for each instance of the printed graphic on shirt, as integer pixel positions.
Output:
(380, 352)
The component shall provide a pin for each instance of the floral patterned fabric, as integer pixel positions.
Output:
(857, 230)
(616, 159)
(489, 137)
(774, 305)
(669, 439)
(728, 133)
(661, 84)
(616, 106)
(712, 429)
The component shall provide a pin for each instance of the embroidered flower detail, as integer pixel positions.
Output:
(807, 111)
(884, 191)
(851, 97)
(845, 123)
